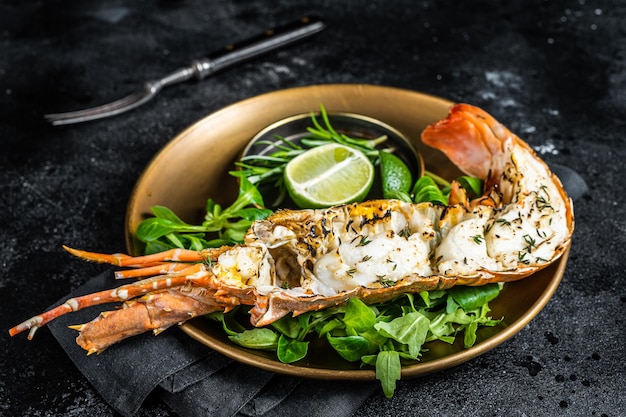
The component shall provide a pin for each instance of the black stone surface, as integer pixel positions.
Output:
(553, 71)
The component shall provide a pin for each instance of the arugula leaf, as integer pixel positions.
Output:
(388, 368)
(410, 329)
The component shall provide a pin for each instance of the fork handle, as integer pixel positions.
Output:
(261, 44)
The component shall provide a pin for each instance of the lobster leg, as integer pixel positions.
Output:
(156, 311)
(160, 269)
(195, 273)
(159, 263)
(119, 259)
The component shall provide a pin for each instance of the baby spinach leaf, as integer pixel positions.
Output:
(471, 298)
(291, 350)
(326, 327)
(358, 315)
(288, 326)
(473, 185)
(351, 348)
(399, 195)
(425, 190)
(229, 323)
(220, 226)
(258, 338)
(155, 227)
(165, 213)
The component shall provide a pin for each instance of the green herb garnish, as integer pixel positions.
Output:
(269, 169)
(220, 226)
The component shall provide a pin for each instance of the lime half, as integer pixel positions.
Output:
(329, 175)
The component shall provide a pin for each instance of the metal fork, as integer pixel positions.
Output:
(266, 42)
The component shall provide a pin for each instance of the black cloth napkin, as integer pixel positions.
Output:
(193, 379)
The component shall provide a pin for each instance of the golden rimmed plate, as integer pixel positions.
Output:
(194, 166)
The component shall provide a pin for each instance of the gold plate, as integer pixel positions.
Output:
(194, 166)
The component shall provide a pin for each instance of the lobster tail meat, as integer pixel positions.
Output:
(536, 218)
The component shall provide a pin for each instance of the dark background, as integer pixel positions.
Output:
(553, 71)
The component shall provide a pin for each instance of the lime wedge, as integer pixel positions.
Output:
(329, 175)
(395, 175)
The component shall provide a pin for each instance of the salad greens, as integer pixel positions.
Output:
(384, 336)
(435, 189)
(166, 230)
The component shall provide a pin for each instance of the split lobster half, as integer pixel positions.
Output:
(302, 260)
